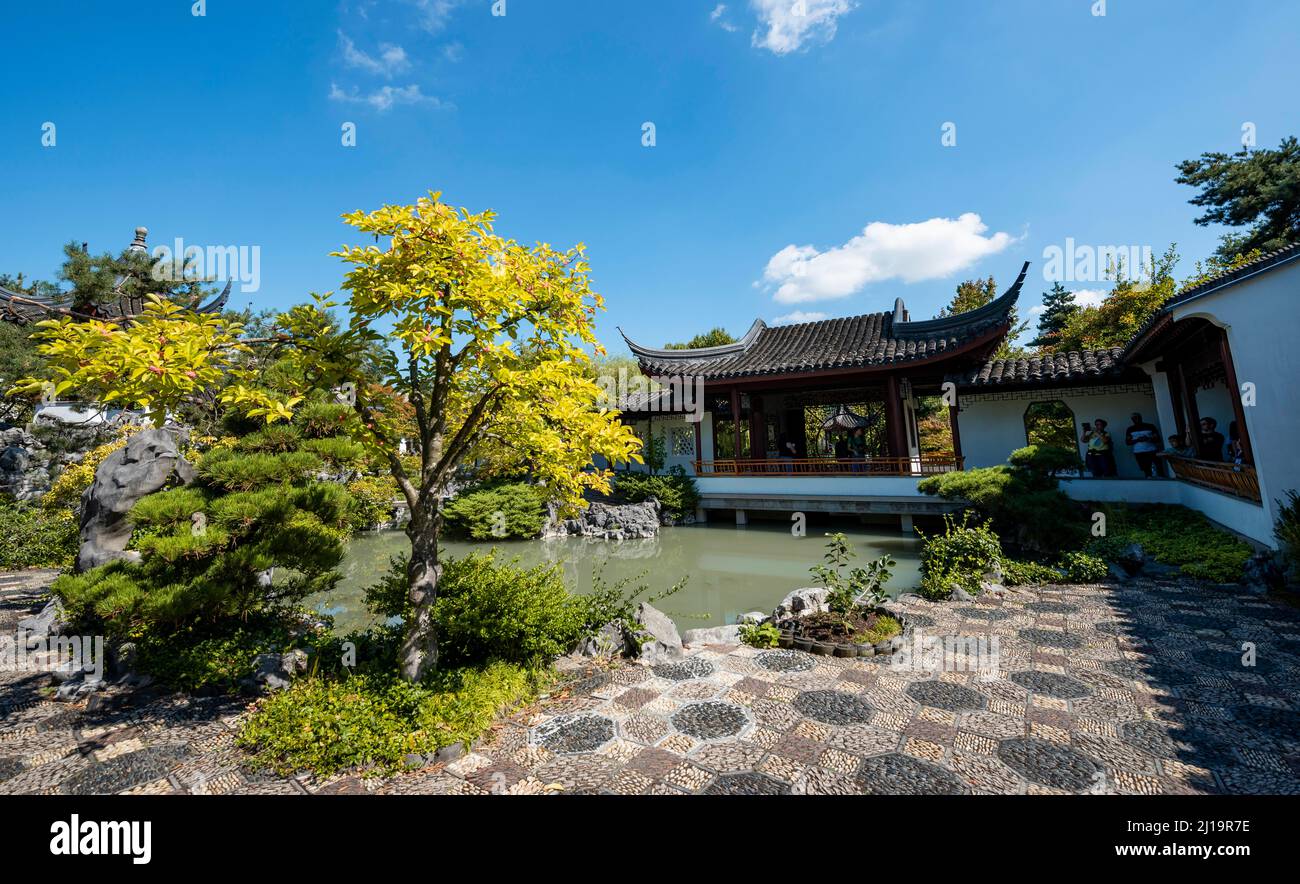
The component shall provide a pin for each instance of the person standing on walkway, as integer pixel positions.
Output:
(1144, 439)
(1101, 450)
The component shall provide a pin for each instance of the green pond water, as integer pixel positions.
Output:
(732, 570)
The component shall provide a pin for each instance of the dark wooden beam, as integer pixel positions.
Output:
(894, 423)
(956, 431)
(1239, 410)
(735, 422)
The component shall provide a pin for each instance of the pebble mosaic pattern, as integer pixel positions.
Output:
(832, 707)
(785, 661)
(1142, 692)
(710, 721)
(692, 667)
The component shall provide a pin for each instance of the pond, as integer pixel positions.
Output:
(732, 570)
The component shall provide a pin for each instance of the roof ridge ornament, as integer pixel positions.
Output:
(138, 244)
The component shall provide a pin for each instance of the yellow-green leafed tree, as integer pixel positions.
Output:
(153, 362)
(484, 338)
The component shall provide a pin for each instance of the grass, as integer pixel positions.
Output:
(885, 627)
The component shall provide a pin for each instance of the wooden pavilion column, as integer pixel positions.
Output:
(735, 422)
(895, 426)
(1193, 413)
(955, 427)
(757, 427)
(1238, 410)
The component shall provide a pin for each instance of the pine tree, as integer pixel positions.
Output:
(1058, 307)
(972, 294)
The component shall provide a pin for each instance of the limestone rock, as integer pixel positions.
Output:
(754, 617)
(604, 521)
(144, 465)
(608, 642)
(960, 595)
(802, 602)
(657, 637)
(50, 621)
(713, 635)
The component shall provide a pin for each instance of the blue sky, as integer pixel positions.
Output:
(779, 139)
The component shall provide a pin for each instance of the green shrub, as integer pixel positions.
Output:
(486, 611)
(373, 721)
(845, 592)
(676, 491)
(34, 537)
(372, 502)
(618, 602)
(1081, 567)
(1018, 573)
(1023, 502)
(205, 547)
(962, 554)
(500, 512)
(1046, 460)
(1177, 536)
(199, 663)
(760, 635)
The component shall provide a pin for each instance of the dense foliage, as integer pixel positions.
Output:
(714, 337)
(374, 720)
(1287, 528)
(33, 537)
(965, 551)
(1174, 535)
(206, 549)
(1021, 498)
(501, 511)
(675, 491)
(1258, 189)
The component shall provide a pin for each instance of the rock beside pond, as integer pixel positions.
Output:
(656, 638)
(802, 602)
(608, 642)
(754, 617)
(713, 635)
(606, 521)
(50, 621)
(275, 672)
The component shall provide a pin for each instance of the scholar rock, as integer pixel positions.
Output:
(713, 635)
(657, 636)
(141, 467)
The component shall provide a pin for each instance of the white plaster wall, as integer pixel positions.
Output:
(993, 428)
(1261, 315)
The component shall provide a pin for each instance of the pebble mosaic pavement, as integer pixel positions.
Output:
(1134, 689)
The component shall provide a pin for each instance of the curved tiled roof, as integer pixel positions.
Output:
(1047, 368)
(26, 308)
(869, 340)
(1228, 277)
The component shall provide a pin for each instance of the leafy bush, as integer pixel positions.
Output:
(962, 554)
(198, 663)
(1081, 567)
(617, 602)
(501, 512)
(759, 635)
(1046, 460)
(374, 720)
(1018, 573)
(34, 537)
(1174, 535)
(372, 501)
(1021, 499)
(845, 592)
(487, 611)
(676, 491)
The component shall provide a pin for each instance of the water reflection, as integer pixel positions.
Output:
(731, 570)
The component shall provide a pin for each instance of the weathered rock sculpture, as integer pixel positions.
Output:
(144, 465)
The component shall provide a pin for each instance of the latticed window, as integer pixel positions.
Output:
(681, 442)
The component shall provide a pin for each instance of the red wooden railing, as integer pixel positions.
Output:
(925, 465)
(1238, 480)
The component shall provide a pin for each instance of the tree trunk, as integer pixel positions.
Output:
(419, 653)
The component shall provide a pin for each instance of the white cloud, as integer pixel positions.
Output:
(799, 316)
(434, 14)
(1089, 297)
(391, 60)
(717, 16)
(930, 249)
(786, 26)
(1082, 298)
(453, 52)
(388, 97)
